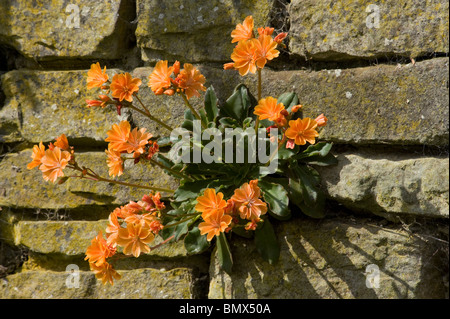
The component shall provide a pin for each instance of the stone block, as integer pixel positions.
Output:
(333, 259)
(344, 29)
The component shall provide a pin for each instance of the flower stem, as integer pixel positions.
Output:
(147, 113)
(180, 222)
(194, 112)
(281, 143)
(259, 98)
(170, 170)
(157, 189)
(162, 243)
(94, 176)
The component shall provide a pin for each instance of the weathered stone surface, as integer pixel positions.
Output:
(329, 259)
(384, 104)
(389, 185)
(336, 30)
(44, 30)
(193, 31)
(144, 283)
(23, 188)
(43, 105)
(73, 237)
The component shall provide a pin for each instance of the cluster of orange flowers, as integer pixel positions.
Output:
(297, 132)
(124, 140)
(53, 160)
(189, 80)
(250, 52)
(221, 216)
(132, 227)
(122, 87)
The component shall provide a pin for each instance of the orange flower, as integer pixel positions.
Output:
(144, 219)
(136, 141)
(266, 31)
(210, 202)
(38, 153)
(246, 199)
(122, 212)
(191, 80)
(112, 230)
(53, 163)
(243, 31)
(135, 239)
(96, 77)
(295, 108)
(62, 142)
(152, 202)
(159, 79)
(99, 250)
(302, 131)
(103, 102)
(228, 66)
(280, 37)
(321, 120)
(265, 50)
(105, 272)
(268, 108)
(91, 103)
(216, 223)
(251, 225)
(152, 149)
(176, 68)
(118, 136)
(114, 162)
(244, 56)
(123, 86)
(155, 226)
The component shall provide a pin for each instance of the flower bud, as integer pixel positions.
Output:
(266, 30)
(169, 92)
(280, 37)
(295, 108)
(321, 120)
(176, 68)
(91, 103)
(290, 144)
(228, 66)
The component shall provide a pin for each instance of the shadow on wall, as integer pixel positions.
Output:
(331, 259)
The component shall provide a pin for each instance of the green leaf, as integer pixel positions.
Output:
(203, 117)
(289, 99)
(295, 192)
(241, 231)
(313, 203)
(164, 141)
(266, 242)
(190, 190)
(327, 160)
(211, 104)
(286, 153)
(194, 242)
(177, 230)
(224, 253)
(308, 183)
(228, 122)
(317, 210)
(163, 160)
(320, 149)
(277, 198)
(237, 105)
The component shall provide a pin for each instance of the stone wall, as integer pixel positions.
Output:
(377, 69)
